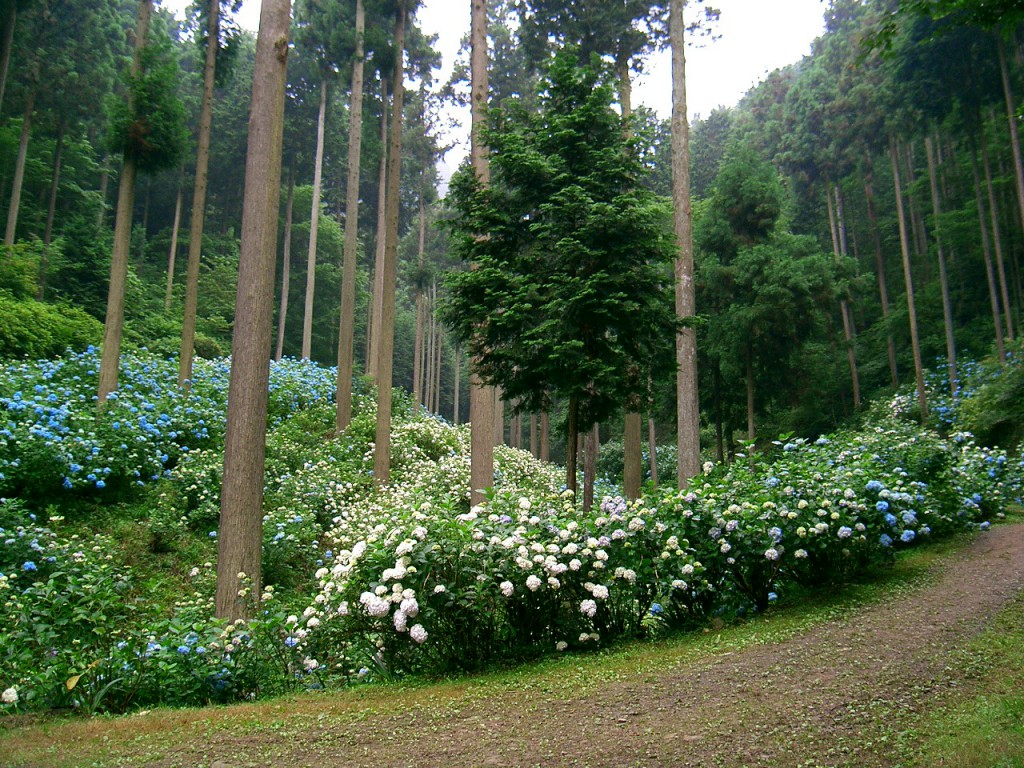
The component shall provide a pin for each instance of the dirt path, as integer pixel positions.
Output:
(830, 696)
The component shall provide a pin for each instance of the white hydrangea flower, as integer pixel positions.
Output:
(418, 633)
(588, 608)
(533, 583)
(600, 592)
(507, 588)
(400, 621)
(10, 695)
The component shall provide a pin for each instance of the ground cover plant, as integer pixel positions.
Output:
(363, 583)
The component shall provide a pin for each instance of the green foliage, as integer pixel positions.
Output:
(36, 330)
(19, 267)
(994, 412)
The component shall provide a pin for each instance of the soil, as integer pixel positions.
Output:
(838, 694)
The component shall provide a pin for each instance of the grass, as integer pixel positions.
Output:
(104, 742)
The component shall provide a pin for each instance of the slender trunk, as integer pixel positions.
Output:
(750, 396)
(114, 322)
(499, 416)
(101, 214)
(687, 404)
(908, 278)
(386, 329)
(437, 366)
(571, 443)
(839, 250)
(456, 393)
(591, 449)
(986, 249)
(346, 324)
(545, 436)
(918, 236)
(195, 237)
(481, 397)
(19, 167)
(997, 238)
(947, 306)
(7, 42)
(1011, 118)
(652, 447)
(632, 456)
(314, 226)
(241, 503)
(51, 212)
(883, 290)
(417, 350)
(534, 435)
(286, 268)
(378, 271)
(172, 253)
(717, 395)
(428, 356)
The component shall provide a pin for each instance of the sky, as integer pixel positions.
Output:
(755, 38)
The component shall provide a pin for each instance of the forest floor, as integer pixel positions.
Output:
(925, 667)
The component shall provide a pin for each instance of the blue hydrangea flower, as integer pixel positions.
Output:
(885, 540)
(890, 519)
(656, 609)
(882, 505)
(907, 536)
(28, 565)
(874, 486)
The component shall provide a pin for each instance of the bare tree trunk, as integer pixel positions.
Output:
(428, 359)
(947, 306)
(481, 397)
(372, 331)
(457, 393)
(986, 248)
(286, 268)
(51, 212)
(241, 505)
(997, 238)
(687, 404)
(534, 436)
(499, 416)
(19, 166)
(386, 335)
(314, 226)
(571, 443)
(437, 364)
(751, 433)
(545, 436)
(591, 448)
(1011, 115)
(632, 459)
(114, 322)
(652, 448)
(346, 323)
(7, 42)
(101, 214)
(909, 279)
(198, 222)
(839, 250)
(417, 350)
(172, 254)
(883, 290)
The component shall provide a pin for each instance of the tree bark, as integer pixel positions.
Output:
(481, 397)
(51, 212)
(372, 332)
(346, 324)
(417, 349)
(632, 457)
(456, 393)
(7, 42)
(545, 436)
(114, 322)
(591, 449)
(838, 227)
(1011, 118)
(947, 306)
(198, 221)
(997, 238)
(314, 226)
(751, 432)
(908, 278)
(571, 443)
(883, 290)
(241, 506)
(172, 253)
(687, 404)
(386, 334)
(986, 249)
(286, 268)
(19, 167)
(652, 447)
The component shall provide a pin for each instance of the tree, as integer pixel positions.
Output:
(149, 131)
(564, 300)
(241, 507)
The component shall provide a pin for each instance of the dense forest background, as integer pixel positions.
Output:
(857, 216)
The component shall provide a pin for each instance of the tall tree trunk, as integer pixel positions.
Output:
(481, 397)
(545, 436)
(19, 165)
(838, 222)
(417, 349)
(883, 290)
(632, 457)
(10, 19)
(198, 221)
(571, 442)
(947, 305)
(751, 427)
(51, 212)
(456, 393)
(346, 325)
(437, 364)
(687, 404)
(114, 323)
(716, 385)
(386, 335)
(499, 416)
(379, 244)
(534, 435)
(101, 214)
(591, 449)
(241, 502)
(172, 253)
(986, 249)
(1011, 118)
(428, 359)
(997, 238)
(286, 268)
(908, 277)
(314, 225)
